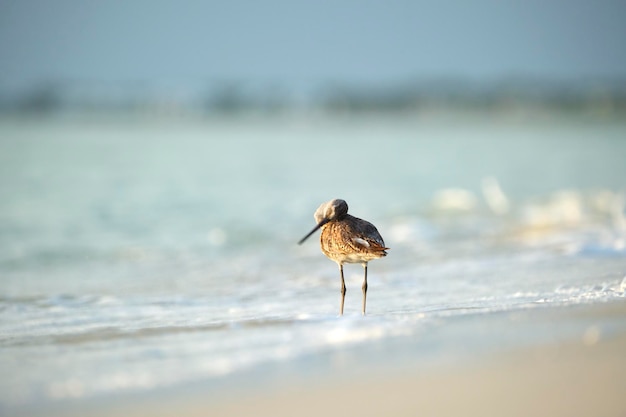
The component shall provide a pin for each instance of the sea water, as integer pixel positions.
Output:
(141, 254)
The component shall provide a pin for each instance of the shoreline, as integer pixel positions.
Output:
(578, 372)
(566, 379)
(576, 377)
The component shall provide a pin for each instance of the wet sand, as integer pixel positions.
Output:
(580, 376)
(585, 377)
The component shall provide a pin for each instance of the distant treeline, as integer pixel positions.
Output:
(234, 98)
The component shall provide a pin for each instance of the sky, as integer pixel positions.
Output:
(307, 43)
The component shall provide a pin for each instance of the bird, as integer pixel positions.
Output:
(347, 239)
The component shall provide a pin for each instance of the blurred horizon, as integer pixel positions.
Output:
(599, 97)
(276, 56)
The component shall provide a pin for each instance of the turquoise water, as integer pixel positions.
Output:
(140, 254)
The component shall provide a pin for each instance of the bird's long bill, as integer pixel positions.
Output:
(320, 224)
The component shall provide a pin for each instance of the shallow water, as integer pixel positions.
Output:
(141, 254)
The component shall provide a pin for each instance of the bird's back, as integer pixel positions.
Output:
(352, 240)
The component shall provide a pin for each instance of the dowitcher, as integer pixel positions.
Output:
(347, 239)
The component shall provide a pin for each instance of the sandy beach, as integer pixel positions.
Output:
(568, 379)
(580, 376)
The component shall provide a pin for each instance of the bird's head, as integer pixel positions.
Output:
(331, 210)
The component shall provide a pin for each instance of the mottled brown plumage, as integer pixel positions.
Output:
(347, 239)
(351, 240)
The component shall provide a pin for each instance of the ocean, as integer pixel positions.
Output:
(142, 254)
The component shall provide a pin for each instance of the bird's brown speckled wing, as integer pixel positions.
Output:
(356, 236)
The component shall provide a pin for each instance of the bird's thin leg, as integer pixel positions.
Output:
(364, 287)
(343, 290)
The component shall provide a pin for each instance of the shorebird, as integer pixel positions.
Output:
(347, 239)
